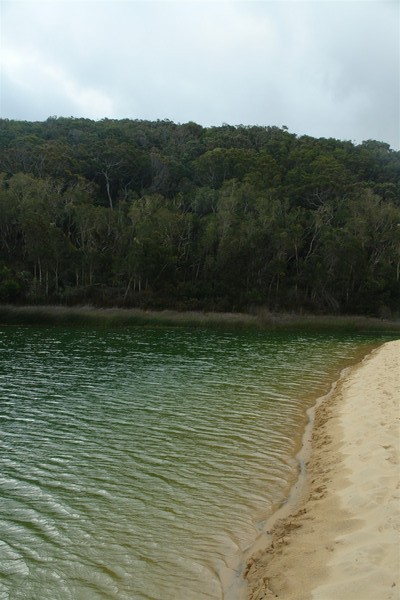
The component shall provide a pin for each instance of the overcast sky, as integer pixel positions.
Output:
(323, 68)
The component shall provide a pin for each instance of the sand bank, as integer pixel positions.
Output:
(343, 540)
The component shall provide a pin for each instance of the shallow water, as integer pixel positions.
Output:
(139, 463)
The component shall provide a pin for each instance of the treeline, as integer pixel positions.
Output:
(165, 215)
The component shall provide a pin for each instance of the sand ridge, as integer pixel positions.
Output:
(343, 541)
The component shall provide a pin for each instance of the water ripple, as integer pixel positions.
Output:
(137, 464)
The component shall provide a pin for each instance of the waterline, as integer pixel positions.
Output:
(139, 463)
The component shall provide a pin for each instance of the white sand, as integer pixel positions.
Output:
(343, 543)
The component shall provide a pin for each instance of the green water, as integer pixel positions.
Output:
(141, 463)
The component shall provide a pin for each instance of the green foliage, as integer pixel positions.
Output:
(10, 288)
(155, 214)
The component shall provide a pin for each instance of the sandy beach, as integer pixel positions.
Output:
(342, 540)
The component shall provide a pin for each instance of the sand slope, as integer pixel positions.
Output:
(343, 543)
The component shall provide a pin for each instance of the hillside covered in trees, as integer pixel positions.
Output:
(165, 215)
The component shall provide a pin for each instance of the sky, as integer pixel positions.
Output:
(325, 68)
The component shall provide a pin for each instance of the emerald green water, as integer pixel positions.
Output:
(141, 463)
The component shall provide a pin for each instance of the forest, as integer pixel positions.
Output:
(155, 214)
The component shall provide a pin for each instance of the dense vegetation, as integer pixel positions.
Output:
(155, 214)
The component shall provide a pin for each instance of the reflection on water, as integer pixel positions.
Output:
(138, 463)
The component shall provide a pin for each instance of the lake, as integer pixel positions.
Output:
(141, 463)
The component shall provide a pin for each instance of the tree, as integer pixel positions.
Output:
(164, 214)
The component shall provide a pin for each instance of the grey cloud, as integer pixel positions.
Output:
(324, 68)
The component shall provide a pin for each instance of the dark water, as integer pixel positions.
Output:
(140, 463)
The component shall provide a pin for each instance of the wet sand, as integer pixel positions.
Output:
(342, 539)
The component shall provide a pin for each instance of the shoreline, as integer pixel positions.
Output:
(259, 319)
(338, 535)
